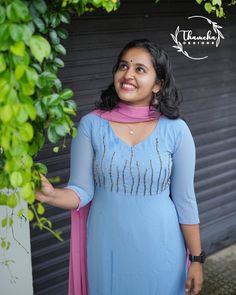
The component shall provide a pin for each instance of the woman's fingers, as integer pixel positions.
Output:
(188, 286)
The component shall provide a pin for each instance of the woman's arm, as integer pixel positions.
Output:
(184, 198)
(191, 234)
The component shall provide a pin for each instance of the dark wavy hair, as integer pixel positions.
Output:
(168, 97)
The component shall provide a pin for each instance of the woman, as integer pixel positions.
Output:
(132, 170)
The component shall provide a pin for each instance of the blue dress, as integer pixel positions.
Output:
(140, 195)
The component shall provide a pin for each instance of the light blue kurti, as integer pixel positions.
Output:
(140, 195)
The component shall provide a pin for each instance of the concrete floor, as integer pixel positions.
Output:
(220, 273)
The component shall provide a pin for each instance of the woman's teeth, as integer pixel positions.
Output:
(128, 86)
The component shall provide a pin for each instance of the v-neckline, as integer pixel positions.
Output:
(139, 143)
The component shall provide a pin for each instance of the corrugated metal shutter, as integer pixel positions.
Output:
(209, 106)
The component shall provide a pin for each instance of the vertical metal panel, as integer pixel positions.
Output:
(209, 107)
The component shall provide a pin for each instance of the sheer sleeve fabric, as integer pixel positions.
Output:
(81, 179)
(182, 177)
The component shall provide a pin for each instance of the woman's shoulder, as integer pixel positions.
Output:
(177, 125)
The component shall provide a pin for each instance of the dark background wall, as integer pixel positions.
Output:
(209, 107)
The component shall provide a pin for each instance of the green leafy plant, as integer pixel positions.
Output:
(215, 6)
(33, 103)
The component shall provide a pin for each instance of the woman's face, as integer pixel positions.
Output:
(135, 78)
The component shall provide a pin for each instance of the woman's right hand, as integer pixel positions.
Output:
(47, 192)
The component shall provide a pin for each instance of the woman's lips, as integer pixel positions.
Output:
(128, 86)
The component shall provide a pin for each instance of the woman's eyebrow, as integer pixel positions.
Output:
(137, 64)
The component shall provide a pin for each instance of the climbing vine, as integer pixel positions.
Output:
(33, 103)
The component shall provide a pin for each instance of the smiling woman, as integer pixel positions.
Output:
(143, 69)
(131, 186)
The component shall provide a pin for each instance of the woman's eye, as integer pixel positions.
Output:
(122, 66)
(140, 70)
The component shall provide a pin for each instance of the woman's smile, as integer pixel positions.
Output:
(127, 86)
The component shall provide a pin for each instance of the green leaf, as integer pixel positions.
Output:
(28, 88)
(54, 37)
(2, 63)
(199, 1)
(62, 33)
(18, 48)
(218, 2)
(26, 131)
(2, 15)
(22, 114)
(59, 63)
(4, 89)
(40, 5)
(27, 32)
(66, 94)
(30, 214)
(31, 75)
(26, 191)
(3, 199)
(74, 132)
(3, 244)
(16, 179)
(40, 209)
(12, 97)
(21, 212)
(12, 200)
(46, 79)
(6, 113)
(41, 168)
(10, 221)
(56, 111)
(19, 71)
(50, 100)
(39, 47)
(60, 49)
(55, 20)
(41, 110)
(56, 149)
(16, 32)
(39, 23)
(52, 134)
(4, 222)
(18, 11)
(64, 17)
(208, 7)
(58, 84)
(31, 111)
(62, 129)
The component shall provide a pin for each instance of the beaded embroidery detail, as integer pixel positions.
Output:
(124, 177)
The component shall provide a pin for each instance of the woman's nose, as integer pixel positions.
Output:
(129, 73)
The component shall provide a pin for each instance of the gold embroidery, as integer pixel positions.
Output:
(144, 181)
(94, 170)
(151, 178)
(99, 180)
(137, 163)
(103, 156)
(111, 171)
(123, 174)
(117, 182)
(131, 157)
(157, 149)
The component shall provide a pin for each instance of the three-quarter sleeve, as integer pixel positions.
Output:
(81, 179)
(182, 177)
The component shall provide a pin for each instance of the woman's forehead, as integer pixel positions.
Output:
(137, 55)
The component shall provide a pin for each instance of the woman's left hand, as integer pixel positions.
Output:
(194, 281)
